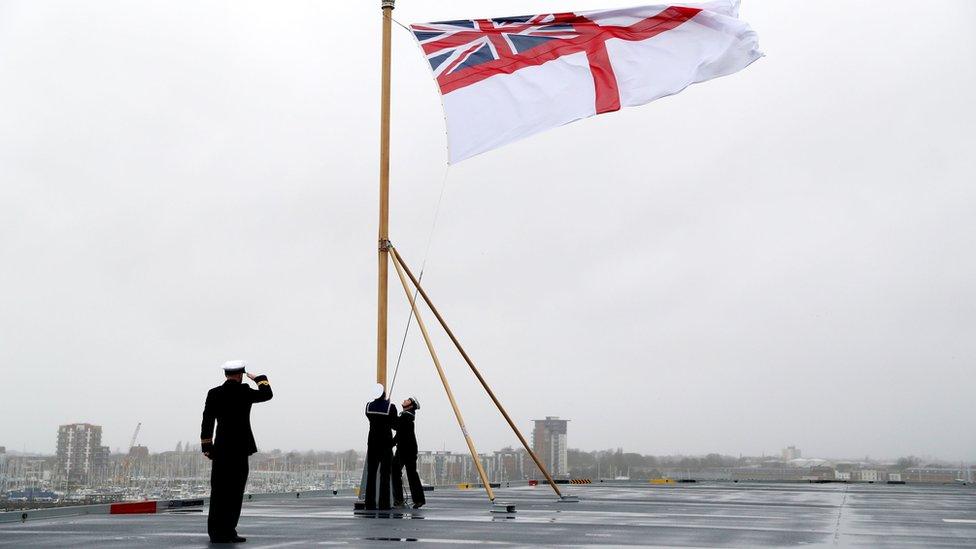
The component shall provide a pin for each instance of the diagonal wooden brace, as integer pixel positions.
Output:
(398, 262)
(447, 386)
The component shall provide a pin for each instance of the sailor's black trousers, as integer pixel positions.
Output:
(378, 459)
(228, 477)
(407, 461)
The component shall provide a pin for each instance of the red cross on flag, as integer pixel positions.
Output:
(506, 78)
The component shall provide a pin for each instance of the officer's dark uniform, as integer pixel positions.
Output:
(406, 457)
(229, 405)
(382, 415)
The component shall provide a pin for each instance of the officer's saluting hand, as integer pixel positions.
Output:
(229, 407)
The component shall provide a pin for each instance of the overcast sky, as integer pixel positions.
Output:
(782, 256)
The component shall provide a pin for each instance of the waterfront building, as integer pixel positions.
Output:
(791, 452)
(81, 458)
(549, 443)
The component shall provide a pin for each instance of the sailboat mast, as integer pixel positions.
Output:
(384, 228)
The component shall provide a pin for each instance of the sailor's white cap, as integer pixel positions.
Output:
(232, 367)
(377, 390)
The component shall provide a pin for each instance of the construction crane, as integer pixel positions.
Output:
(135, 435)
(123, 476)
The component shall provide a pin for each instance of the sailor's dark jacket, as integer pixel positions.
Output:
(382, 416)
(229, 406)
(406, 437)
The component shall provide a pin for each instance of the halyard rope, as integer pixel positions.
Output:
(420, 277)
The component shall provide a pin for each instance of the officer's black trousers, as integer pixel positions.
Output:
(228, 477)
(408, 462)
(378, 459)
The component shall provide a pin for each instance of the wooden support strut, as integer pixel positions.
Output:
(440, 372)
(398, 263)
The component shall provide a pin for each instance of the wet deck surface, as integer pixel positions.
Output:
(700, 515)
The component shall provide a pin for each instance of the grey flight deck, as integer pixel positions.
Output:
(701, 515)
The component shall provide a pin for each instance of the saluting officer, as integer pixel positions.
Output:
(406, 456)
(382, 416)
(229, 405)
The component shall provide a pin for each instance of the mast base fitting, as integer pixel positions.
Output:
(568, 499)
(503, 508)
(387, 4)
(385, 245)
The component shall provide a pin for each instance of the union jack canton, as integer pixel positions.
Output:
(454, 48)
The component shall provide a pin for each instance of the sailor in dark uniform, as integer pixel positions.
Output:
(229, 406)
(406, 456)
(382, 416)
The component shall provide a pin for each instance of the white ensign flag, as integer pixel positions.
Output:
(506, 78)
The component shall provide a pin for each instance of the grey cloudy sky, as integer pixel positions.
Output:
(782, 256)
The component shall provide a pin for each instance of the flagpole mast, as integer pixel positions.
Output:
(384, 217)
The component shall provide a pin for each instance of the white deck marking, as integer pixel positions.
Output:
(286, 544)
(960, 521)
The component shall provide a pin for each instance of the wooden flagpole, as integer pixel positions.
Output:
(398, 263)
(384, 217)
(440, 372)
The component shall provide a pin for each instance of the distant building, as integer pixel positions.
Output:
(767, 471)
(549, 443)
(820, 472)
(81, 458)
(139, 453)
(444, 467)
(3, 469)
(441, 467)
(937, 474)
(867, 475)
(507, 464)
(134, 464)
(846, 466)
(791, 452)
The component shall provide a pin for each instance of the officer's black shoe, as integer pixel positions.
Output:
(419, 505)
(238, 539)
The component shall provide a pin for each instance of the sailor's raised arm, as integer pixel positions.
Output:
(263, 393)
(394, 415)
(207, 426)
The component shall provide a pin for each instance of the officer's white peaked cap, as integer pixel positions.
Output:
(377, 390)
(232, 367)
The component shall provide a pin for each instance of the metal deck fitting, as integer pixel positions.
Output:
(568, 499)
(505, 508)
